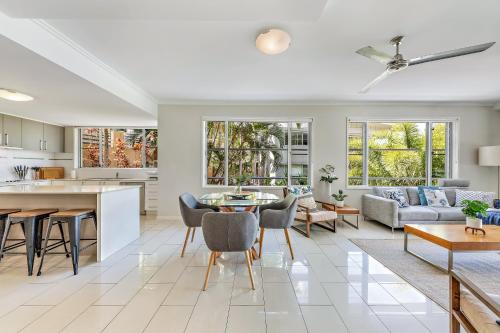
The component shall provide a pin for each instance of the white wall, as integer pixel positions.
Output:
(180, 164)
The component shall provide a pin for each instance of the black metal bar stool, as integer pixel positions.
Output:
(73, 218)
(4, 214)
(32, 223)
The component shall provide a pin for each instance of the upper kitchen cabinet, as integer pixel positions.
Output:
(11, 133)
(53, 138)
(32, 135)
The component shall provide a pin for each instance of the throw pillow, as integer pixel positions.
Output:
(421, 194)
(436, 198)
(299, 191)
(398, 196)
(474, 195)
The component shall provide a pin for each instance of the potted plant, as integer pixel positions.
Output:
(474, 211)
(327, 177)
(339, 198)
(242, 179)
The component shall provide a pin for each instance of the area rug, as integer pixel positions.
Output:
(482, 268)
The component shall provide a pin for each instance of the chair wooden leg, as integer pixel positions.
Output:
(289, 244)
(185, 242)
(209, 269)
(192, 237)
(261, 240)
(249, 265)
(308, 229)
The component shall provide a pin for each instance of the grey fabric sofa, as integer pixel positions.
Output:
(386, 211)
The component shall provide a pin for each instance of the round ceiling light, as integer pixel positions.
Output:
(15, 96)
(273, 41)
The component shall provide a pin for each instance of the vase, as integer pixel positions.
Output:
(339, 204)
(474, 222)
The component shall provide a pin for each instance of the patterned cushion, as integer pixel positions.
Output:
(307, 201)
(421, 194)
(398, 196)
(474, 195)
(299, 191)
(436, 198)
(379, 191)
(317, 216)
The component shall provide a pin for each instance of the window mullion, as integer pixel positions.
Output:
(428, 153)
(365, 153)
(289, 155)
(226, 153)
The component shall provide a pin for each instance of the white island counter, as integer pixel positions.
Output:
(117, 208)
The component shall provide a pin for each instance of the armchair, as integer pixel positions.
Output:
(309, 212)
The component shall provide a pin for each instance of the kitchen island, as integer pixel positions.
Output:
(117, 209)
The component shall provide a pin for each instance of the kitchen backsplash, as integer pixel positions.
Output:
(12, 157)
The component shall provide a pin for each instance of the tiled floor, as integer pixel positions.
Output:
(331, 286)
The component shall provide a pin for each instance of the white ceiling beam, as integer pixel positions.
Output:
(46, 41)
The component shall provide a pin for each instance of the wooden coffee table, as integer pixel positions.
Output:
(343, 211)
(454, 239)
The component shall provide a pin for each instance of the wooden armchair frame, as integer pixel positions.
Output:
(457, 317)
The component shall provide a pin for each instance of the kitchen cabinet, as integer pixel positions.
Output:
(11, 131)
(53, 138)
(32, 135)
(152, 194)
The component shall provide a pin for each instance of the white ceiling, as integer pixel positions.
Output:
(206, 53)
(60, 96)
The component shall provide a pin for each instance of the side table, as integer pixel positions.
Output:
(343, 211)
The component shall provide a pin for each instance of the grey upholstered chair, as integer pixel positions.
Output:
(229, 232)
(192, 211)
(278, 215)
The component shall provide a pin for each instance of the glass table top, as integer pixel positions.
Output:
(224, 199)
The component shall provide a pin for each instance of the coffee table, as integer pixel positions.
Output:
(454, 239)
(343, 211)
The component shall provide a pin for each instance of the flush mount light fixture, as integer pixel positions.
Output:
(15, 96)
(273, 41)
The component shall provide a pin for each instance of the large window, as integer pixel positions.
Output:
(399, 153)
(118, 148)
(259, 149)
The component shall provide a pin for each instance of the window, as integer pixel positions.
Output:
(118, 148)
(259, 149)
(399, 153)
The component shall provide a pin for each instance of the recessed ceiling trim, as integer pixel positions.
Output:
(43, 39)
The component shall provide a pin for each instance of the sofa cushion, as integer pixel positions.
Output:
(451, 195)
(474, 195)
(421, 194)
(449, 213)
(379, 191)
(417, 213)
(413, 198)
(436, 198)
(398, 196)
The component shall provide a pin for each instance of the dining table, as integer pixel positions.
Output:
(241, 201)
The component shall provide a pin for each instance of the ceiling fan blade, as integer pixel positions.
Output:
(374, 54)
(451, 53)
(379, 78)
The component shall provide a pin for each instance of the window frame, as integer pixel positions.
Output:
(204, 165)
(143, 150)
(451, 150)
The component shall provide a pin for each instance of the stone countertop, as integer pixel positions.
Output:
(63, 189)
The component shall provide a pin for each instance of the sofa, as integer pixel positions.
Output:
(376, 207)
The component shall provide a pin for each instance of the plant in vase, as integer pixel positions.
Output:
(474, 211)
(242, 179)
(339, 198)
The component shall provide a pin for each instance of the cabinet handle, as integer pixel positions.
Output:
(41, 144)
(6, 139)
(45, 144)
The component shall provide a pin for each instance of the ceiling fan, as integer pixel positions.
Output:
(398, 62)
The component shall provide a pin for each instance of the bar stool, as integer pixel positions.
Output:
(32, 223)
(73, 218)
(4, 213)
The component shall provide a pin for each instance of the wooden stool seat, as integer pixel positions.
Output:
(7, 211)
(73, 212)
(33, 213)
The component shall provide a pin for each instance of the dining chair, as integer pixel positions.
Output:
(278, 215)
(229, 232)
(192, 211)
